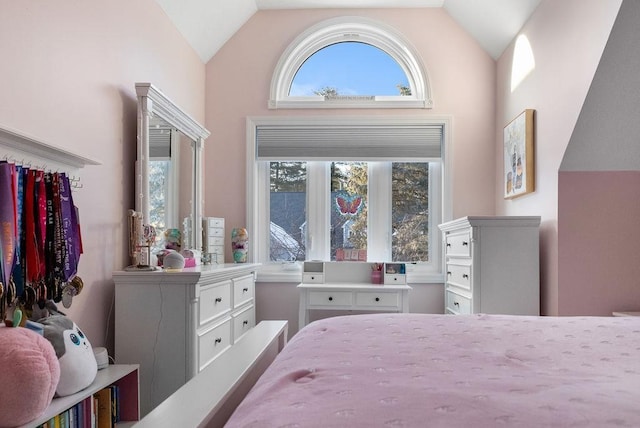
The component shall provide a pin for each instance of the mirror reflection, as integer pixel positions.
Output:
(168, 172)
(169, 178)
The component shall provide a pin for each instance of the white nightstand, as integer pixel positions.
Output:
(626, 314)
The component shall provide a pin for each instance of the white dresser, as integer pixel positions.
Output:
(492, 265)
(173, 324)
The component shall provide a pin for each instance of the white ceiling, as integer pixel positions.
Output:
(208, 24)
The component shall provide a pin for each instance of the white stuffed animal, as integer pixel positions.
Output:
(78, 367)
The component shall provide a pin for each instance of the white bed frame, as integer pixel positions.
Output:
(209, 399)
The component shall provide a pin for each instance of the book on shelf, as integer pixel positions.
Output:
(104, 408)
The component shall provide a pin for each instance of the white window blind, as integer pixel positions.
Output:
(348, 142)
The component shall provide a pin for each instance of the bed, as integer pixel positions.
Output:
(419, 370)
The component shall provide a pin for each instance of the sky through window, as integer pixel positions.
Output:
(352, 68)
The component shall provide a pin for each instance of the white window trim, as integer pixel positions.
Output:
(256, 223)
(350, 29)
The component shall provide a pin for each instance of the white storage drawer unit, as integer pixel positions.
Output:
(174, 324)
(213, 238)
(492, 265)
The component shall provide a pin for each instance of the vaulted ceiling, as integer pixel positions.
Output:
(208, 24)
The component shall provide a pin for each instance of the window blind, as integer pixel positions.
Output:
(348, 142)
(159, 143)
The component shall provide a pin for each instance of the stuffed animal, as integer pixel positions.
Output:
(78, 367)
(30, 371)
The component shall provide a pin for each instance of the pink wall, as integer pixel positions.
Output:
(238, 77)
(599, 233)
(567, 39)
(67, 77)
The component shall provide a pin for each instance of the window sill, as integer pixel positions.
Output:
(292, 272)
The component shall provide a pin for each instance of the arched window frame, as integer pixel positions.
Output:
(350, 29)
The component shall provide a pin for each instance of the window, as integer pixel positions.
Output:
(347, 189)
(340, 38)
(350, 71)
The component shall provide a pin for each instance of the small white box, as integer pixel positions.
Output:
(313, 272)
(395, 273)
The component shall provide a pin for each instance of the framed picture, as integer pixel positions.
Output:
(519, 166)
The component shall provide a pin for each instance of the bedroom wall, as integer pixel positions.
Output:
(238, 77)
(67, 78)
(567, 39)
(599, 184)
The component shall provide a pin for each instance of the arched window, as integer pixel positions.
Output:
(331, 40)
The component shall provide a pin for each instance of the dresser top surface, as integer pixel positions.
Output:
(491, 221)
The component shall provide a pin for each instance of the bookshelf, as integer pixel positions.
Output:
(125, 376)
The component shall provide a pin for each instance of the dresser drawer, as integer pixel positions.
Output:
(215, 232)
(458, 304)
(212, 341)
(243, 290)
(458, 244)
(243, 321)
(329, 298)
(370, 299)
(313, 277)
(214, 222)
(215, 300)
(459, 275)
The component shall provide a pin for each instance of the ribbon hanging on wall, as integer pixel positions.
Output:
(40, 238)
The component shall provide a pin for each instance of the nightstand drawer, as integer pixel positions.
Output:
(378, 299)
(329, 298)
(459, 275)
(214, 301)
(212, 342)
(458, 304)
(458, 244)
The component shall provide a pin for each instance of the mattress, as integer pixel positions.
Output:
(419, 370)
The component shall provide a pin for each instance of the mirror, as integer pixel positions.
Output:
(168, 166)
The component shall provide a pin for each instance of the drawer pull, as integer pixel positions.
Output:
(465, 243)
(448, 273)
(218, 299)
(244, 290)
(456, 304)
(245, 322)
(377, 299)
(330, 299)
(465, 276)
(218, 340)
(448, 244)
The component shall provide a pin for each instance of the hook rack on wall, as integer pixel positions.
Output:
(38, 175)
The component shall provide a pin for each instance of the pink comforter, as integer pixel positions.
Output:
(416, 370)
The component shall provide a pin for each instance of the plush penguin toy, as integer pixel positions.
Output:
(78, 367)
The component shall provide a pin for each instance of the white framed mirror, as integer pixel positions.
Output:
(169, 149)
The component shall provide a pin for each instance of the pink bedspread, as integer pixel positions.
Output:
(416, 370)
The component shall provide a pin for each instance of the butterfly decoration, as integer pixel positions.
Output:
(348, 205)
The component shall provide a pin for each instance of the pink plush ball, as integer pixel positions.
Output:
(29, 374)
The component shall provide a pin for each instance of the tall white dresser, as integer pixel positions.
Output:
(174, 324)
(492, 265)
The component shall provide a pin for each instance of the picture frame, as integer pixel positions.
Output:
(518, 155)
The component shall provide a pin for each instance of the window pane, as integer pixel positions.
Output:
(159, 173)
(288, 199)
(350, 69)
(349, 182)
(410, 212)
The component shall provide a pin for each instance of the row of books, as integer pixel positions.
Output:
(102, 410)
